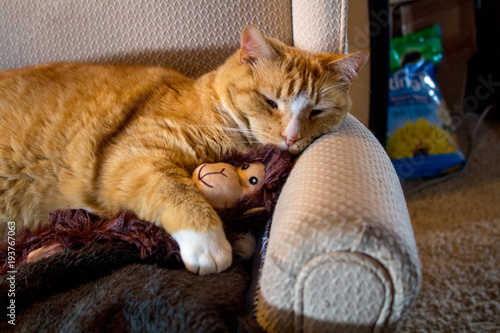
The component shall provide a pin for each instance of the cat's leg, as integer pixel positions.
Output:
(194, 224)
(206, 252)
(167, 196)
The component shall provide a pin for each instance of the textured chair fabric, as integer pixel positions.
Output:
(341, 253)
(191, 36)
(320, 25)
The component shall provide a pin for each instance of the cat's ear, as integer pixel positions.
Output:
(254, 46)
(347, 65)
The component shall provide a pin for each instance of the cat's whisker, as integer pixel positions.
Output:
(207, 69)
(246, 132)
(224, 128)
(251, 132)
(362, 86)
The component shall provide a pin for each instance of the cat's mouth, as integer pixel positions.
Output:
(283, 146)
(295, 148)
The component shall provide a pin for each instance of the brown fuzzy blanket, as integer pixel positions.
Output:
(118, 276)
(73, 229)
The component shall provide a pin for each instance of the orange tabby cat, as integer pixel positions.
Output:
(108, 138)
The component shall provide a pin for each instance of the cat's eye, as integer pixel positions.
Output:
(315, 113)
(271, 103)
(253, 180)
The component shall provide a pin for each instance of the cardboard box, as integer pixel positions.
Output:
(456, 19)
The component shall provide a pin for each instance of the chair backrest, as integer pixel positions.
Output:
(320, 25)
(192, 36)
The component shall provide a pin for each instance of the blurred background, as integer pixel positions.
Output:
(453, 195)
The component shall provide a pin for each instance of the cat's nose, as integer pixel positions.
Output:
(290, 140)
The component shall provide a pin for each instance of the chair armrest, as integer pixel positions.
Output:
(341, 253)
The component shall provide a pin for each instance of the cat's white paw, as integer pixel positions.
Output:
(244, 245)
(204, 252)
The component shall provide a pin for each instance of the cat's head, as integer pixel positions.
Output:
(285, 96)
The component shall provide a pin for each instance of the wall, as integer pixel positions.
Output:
(358, 36)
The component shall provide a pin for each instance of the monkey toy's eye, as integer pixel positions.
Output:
(253, 180)
(246, 166)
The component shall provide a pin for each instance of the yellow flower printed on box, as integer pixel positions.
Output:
(420, 138)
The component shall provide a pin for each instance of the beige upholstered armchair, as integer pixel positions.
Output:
(341, 254)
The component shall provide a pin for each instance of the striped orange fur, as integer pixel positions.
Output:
(109, 138)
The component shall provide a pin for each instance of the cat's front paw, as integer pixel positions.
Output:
(204, 252)
(244, 245)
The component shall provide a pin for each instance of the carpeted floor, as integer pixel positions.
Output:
(457, 229)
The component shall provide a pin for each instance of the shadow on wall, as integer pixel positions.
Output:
(192, 63)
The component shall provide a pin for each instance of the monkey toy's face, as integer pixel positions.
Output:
(223, 184)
